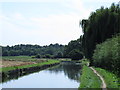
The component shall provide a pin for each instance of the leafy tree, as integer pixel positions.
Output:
(75, 54)
(59, 55)
(74, 44)
(106, 54)
(101, 25)
(38, 56)
(48, 56)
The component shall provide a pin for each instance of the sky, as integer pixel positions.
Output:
(43, 22)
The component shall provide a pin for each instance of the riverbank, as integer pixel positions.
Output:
(88, 78)
(48, 62)
(111, 79)
(18, 71)
(63, 75)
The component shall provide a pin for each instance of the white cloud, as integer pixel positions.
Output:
(18, 16)
(56, 28)
(53, 29)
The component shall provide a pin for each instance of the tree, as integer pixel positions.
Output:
(106, 54)
(59, 55)
(38, 56)
(101, 25)
(74, 44)
(75, 54)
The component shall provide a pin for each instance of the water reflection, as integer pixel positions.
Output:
(64, 75)
(70, 69)
(16, 74)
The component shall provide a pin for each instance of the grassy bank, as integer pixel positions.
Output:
(89, 79)
(5, 69)
(111, 79)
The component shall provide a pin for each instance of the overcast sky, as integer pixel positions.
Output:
(44, 22)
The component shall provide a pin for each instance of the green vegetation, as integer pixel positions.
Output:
(73, 50)
(89, 79)
(85, 62)
(101, 43)
(27, 66)
(101, 25)
(38, 56)
(32, 50)
(106, 55)
(111, 79)
(75, 54)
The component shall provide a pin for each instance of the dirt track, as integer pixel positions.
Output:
(14, 63)
(101, 78)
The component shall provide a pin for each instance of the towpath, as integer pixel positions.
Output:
(101, 78)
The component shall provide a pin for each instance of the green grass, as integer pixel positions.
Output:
(84, 62)
(5, 69)
(89, 79)
(111, 79)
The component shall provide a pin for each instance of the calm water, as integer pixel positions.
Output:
(65, 75)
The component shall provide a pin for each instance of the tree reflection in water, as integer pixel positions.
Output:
(70, 69)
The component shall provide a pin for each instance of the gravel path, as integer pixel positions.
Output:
(101, 78)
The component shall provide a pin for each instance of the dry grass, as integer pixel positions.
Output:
(15, 63)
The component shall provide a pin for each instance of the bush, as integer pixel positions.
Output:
(59, 55)
(75, 54)
(48, 56)
(38, 56)
(107, 55)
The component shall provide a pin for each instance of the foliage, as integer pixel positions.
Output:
(111, 79)
(38, 56)
(107, 55)
(75, 54)
(59, 55)
(85, 62)
(48, 56)
(30, 50)
(101, 25)
(89, 79)
(73, 50)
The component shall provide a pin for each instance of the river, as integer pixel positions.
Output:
(64, 75)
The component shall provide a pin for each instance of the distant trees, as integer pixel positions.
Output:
(49, 51)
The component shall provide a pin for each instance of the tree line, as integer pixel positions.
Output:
(48, 51)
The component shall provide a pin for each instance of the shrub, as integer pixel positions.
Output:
(38, 56)
(107, 54)
(75, 54)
